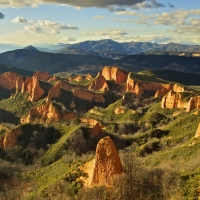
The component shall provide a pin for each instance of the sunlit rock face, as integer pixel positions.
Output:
(42, 76)
(173, 100)
(32, 86)
(115, 73)
(107, 162)
(10, 138)
(99, 83)
(9, 80)
(47, 113)
(193, 103)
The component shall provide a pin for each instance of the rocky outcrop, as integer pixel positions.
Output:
(91, 122)
(96, 129)
(53, 78)
(140, 87)
(88, 95)
(161, 93)
(10, 138)
(107, 162)
(54, 92)
(193, 103)
(9, 80)
(19, 83)
(173, 100)
(115, 73)
(197, 135)
(42, 76)
(32, 86)
(119, 110)
(98, 84)
(178, 88)
(48, 112)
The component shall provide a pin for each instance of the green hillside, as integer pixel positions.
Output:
(174, 76)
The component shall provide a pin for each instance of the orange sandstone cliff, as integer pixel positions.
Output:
(198, 132)
(173, 100)
(115, 73)
(32, 86)
(42, 76)
(10, 138)
(88, 95)
(193, 103)
(98, 84)
(11, 80)
(140, 87)
(46, 113)
(107, 162)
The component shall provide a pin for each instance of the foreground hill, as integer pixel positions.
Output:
(52, 125)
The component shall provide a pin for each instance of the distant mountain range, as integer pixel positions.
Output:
(32, 59)
(112, 49)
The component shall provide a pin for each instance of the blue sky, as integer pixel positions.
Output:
(71, 21)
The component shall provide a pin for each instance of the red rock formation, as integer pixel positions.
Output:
(47, 113)
(173, 100)
(193, 103)
(42, 76)
(19, 83)
(54, 92)
(98, 84)
(115, 73)
(140, 87)
(88, 95)
(54, 78)
(8, 80)
(91, 122)
(10, 138)
(197, 132)
(32, 86)
(161, 93)
(96, 129)
(178, 88)
(107, 162)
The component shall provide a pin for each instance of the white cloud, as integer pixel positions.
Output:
(99, 17)
(55, 25)
(148, 4)
(2, 16)
(55, 32)
(67, 39)
(33, 29)
(19, 20)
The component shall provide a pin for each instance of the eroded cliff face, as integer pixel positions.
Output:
(10, 138)
(197, 135)
(99, 84)
(140, 87)
(115, 73)
(48, 113)
(193, 103)
(173, 100)
(91, 122)
(9, 80)
(88, 95)
(42, 76)
(178, 88)
(107, 163)
(54, 92)
(32, 86)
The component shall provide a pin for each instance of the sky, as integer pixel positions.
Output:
(40, 22)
